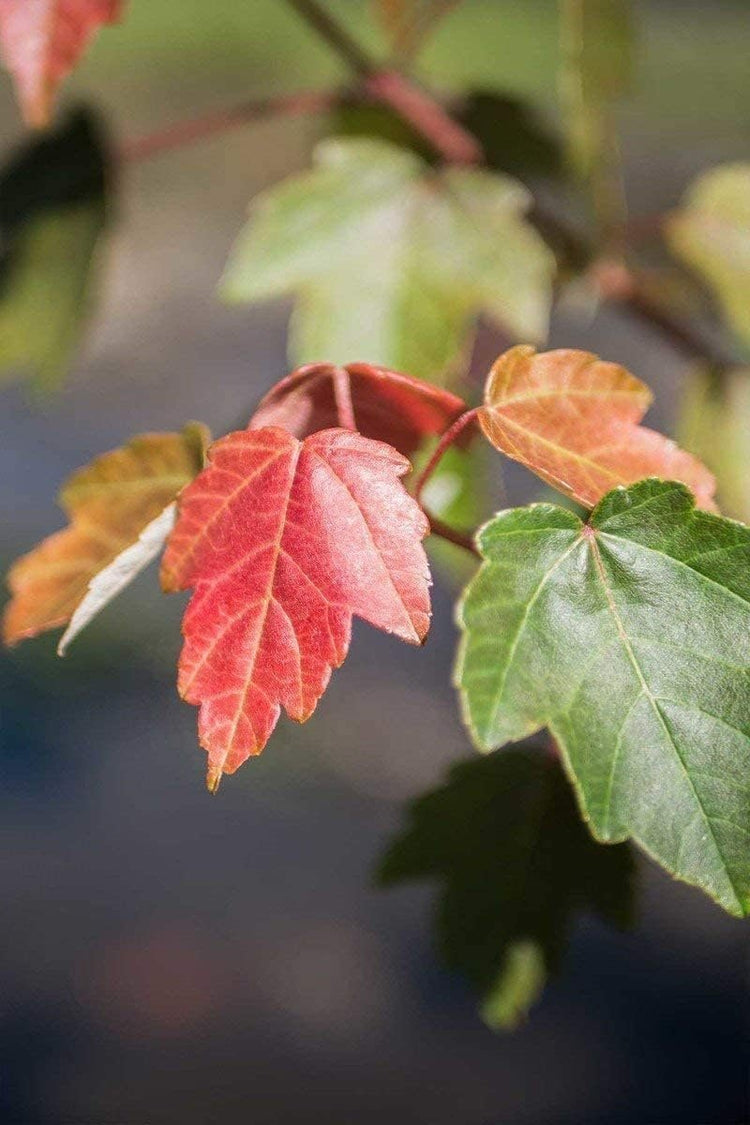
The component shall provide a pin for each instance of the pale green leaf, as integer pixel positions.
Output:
(392, 263)
(629, 638)
(711, 233)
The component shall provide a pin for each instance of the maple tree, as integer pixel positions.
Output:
(616, 619)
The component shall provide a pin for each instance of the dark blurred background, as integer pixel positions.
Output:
(168, 957)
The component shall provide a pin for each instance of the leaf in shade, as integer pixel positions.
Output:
(53, 210)
(597, 46)
(573, 420)
(120, 511)
(516, 864)
(629, 638)
(715, 424)
(42, 40)
(512, 138)
(388, 407)
(391, 262)
(711, 233)
(284, 542)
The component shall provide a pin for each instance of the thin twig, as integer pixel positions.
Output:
(188, 132)
(437, 527)
(414, 105)
(448, 439)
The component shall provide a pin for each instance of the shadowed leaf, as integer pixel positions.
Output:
(53, 210)
(392, 263)
(573, 420)
(42, 40)
(120, 510)
(388, 407)
(629, 638)
(515, 864)
(284, 542)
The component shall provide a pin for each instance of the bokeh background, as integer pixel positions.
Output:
(168, 957)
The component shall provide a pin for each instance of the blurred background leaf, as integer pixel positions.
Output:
(711, 233)
(392, 264)
(53, 210)
(516, 863)
(714, 424)
(597, 41)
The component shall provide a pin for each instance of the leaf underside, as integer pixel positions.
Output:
(629, 638)
(284, 541)
(118, 510)
(387, 406)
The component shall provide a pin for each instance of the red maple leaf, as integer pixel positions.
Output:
(41, 42)
(387, 406)
(284, 541)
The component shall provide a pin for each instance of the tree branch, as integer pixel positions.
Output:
(199, 128)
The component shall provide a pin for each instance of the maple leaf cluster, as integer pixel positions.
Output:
(298, 523)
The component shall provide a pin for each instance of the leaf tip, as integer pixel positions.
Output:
(213, 779)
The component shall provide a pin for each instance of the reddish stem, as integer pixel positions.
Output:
(448, 439)
(342, 391)
(187, 132)
(424, 113)
(437, 527)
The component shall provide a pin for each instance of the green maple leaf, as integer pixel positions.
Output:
(629, 638)
(392, 262)
(515, 863)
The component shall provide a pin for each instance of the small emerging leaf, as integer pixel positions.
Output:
(284, 542)
(42, 40)
(629, 638)
(711, 232)
(120, 510)
(392, 262)
(388, 407)
(515, 863)
(573, 420)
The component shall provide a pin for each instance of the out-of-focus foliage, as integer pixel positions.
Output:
(53, 210)
(711, 233)
(392, 263)
(42, 40)
(406, 23)
(715, 424)
(515, 865)
(597, 57)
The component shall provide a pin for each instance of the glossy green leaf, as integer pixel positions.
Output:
(52, 213)
(391, 263)
(515, 863)
(629, 638)
(711, 233)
